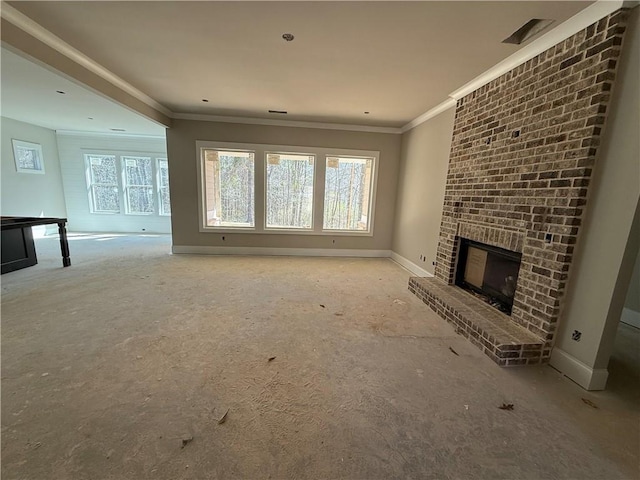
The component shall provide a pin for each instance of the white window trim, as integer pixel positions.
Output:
(202, 213)
(260, 150)
(122, 196)
(161, 212)
(91, 183)
(16, 144)
(370, 206)
(290, 230)
(125, 185)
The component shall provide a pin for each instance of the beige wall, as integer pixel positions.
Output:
(633, 293)
(181, 149)
(424, 161)
(30, 194)
(606, 249)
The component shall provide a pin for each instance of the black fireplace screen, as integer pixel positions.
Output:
(491, 273)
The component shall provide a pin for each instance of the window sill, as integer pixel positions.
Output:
(272, 231)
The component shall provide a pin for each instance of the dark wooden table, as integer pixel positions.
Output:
(18, 248)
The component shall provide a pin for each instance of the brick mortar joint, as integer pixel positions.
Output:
(590, 79)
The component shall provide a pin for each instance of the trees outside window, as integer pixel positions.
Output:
(276, 189)
(347, 193)
(103, 183)
(138, 178)
(164, 199)
(140, 183)
(290, 190)
(229, 188)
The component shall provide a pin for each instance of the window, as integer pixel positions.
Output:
(138, 184)
(103, 183)
(28, 156)
(347, 193)
(290, 190)
(229, 188)
(284, 189)
(163, 187)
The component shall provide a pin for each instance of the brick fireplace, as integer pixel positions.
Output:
(523, 150)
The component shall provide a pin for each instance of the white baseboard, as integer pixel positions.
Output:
(585, 376)
(412, 267)
(270, 251)
(630, 317)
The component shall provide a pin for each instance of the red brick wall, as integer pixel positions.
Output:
(523, 150)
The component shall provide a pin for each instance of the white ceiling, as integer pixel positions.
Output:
(29, 94)
(393, 59)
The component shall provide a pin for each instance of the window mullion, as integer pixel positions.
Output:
(287, 200)
(260, 198)
(318, 212)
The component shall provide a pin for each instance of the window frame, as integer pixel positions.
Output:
(121, 179)
(91, 184)
(268, 229)
(35, 147)
(370, 203)
(159, 187)
(126, 186)
(202, 210)
(260, 187)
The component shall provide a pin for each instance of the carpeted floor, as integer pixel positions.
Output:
(135, 364)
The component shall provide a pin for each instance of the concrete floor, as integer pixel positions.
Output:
(109, 364)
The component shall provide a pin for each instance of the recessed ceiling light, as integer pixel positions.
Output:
(283, 112)
(205, 100)
(118, 130)
(528, 30)
(61, 92)
(288, 37)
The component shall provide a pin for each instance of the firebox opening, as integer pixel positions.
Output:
(490, 273)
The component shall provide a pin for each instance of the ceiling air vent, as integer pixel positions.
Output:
(528, 30)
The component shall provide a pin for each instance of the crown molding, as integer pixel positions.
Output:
(84, 133)
(37, 31)
(581, 20)
(446, 105)
(573, 25)
(286, 123)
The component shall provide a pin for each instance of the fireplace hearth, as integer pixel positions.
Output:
(489, 273)
(522, 153)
